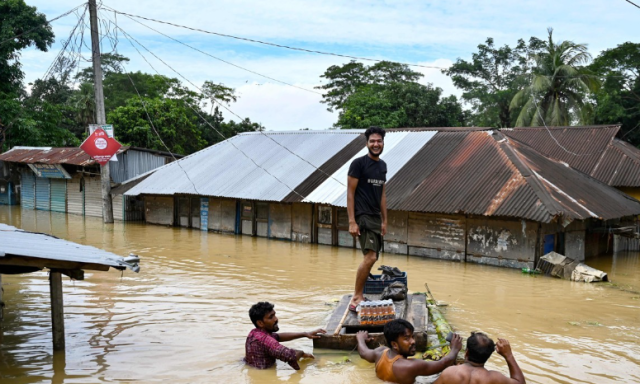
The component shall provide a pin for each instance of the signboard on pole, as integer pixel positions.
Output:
(105, 127)
(100, 146)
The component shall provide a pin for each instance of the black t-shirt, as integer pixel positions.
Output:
(371, 177)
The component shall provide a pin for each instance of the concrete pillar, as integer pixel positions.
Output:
(57, 310)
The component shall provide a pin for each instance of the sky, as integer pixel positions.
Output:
(428, 33)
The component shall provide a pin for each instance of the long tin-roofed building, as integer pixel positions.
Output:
(475, 195)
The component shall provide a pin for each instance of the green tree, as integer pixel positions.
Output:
(344, 80)
(386, 94)
(618, 101)
(174, 121)
(491, 79)
(400, 104)
(21, 26)
(559, 88)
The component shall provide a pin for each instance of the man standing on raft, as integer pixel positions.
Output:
(367, 207)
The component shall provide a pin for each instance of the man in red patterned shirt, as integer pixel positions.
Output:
(263, 343)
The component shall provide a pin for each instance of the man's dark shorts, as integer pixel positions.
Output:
(370, 234)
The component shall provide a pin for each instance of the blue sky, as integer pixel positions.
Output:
(421, 32)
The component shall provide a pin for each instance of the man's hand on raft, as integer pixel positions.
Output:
(315, 334)
(456, 343)
(363, 336)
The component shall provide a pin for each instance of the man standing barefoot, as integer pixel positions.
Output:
(367, 207)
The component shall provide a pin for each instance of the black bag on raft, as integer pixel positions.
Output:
(395, 291)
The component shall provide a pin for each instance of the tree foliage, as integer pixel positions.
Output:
(559, 89)
(618, 101)
(491, 79)
(400, 105)
(21, 26)
(386, 94)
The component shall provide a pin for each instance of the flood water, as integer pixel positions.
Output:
(183, 318)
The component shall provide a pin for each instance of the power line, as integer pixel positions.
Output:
(632, 3)
(268, 43)
(129, 37)
(45, 23)
(533, 97)
(65, 45)
(222, 60)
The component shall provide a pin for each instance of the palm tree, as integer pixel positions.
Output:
(559, 88)
(84, 104)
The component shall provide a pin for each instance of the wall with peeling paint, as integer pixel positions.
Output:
(502, 242)
(437, 236)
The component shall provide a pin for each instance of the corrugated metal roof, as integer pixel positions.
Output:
(593, 150)
(399, 147)
(466, 173)
(48, 155)
(16, 242)
(482, 174)
(582, 196)
(474, 172)
(230, 168)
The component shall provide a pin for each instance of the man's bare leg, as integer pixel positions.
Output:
(361, 276)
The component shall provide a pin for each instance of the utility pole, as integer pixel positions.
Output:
(107, 208)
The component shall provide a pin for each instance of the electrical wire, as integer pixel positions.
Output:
(222, 60)
(64, 46)
(632, 3)
(535, 102)
(268, 43)
(45, 23)
(129, 37)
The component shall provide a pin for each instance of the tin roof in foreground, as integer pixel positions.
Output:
(446, 171)
(22, 248)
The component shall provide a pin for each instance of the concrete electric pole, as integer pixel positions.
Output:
(107, 208)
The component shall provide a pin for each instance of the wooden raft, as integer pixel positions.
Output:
(343, 324)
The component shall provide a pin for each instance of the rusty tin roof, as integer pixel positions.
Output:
(48, 155)
(593, 150)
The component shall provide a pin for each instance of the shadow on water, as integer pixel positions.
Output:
(183, 318)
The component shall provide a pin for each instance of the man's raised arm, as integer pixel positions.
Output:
(504, 349)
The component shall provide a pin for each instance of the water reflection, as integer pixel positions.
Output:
(183, 319)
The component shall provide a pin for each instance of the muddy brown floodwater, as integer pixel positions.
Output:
(183, 318)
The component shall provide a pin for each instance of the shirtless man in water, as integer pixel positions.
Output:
(479, 349)
(393, 363)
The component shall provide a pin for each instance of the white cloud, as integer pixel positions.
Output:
(281, 108)
(428, 33)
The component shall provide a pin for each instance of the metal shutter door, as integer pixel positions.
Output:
(43, 194)
(92, 196)
(117, 202)
(27, 191)
(59, 195)
(75, 197)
